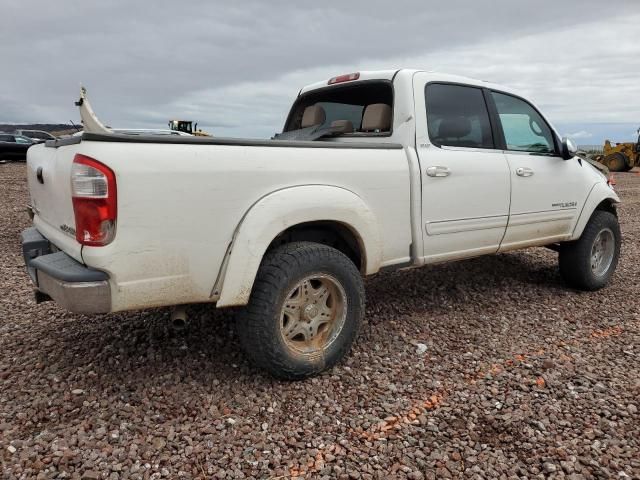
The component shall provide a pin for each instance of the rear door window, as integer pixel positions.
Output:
(457, 116)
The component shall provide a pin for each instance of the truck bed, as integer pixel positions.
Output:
(182, 199)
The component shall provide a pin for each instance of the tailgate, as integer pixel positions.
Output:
(48, 177)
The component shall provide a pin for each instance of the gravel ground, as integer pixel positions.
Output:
(487, 368)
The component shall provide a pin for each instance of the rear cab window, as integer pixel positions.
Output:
(457, 116)
(345, 103)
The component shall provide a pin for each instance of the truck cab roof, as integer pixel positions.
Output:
(407, 73)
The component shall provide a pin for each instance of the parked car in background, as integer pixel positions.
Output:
(36, 135)
(14, 147)
(143, 132)
(150, 131)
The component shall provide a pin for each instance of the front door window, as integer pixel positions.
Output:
(524, 128)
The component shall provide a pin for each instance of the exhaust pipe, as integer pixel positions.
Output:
(179, 317)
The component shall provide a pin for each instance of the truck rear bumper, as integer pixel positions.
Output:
(55, 274)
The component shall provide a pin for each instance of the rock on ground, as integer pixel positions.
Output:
(521, 377)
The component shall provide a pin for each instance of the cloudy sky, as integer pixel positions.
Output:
(235, 67)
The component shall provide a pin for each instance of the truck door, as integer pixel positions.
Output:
(465, 178)
(546, 191)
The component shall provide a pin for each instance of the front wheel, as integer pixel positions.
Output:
(304, 312)
(589, 262)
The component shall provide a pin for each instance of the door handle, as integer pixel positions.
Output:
(524, 172)
(438, 171)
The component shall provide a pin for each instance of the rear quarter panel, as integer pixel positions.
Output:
(179, 205)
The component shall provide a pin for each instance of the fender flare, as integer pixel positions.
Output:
(598, 194)
(282, 209)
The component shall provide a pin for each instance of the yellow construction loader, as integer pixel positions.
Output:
(620, 157)
(187, 126)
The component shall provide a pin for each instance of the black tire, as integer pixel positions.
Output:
(576, 257)
(261, 324)
(616, 162)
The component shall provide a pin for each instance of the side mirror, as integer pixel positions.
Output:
(569, 149)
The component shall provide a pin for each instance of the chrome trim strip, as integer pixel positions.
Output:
(466, 225)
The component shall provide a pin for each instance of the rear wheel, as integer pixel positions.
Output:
(616, 162)
(305, 310)
(589, 262)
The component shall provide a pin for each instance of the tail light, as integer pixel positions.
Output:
(93, 191)
(611, 181)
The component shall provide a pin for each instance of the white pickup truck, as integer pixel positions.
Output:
(373, 170)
